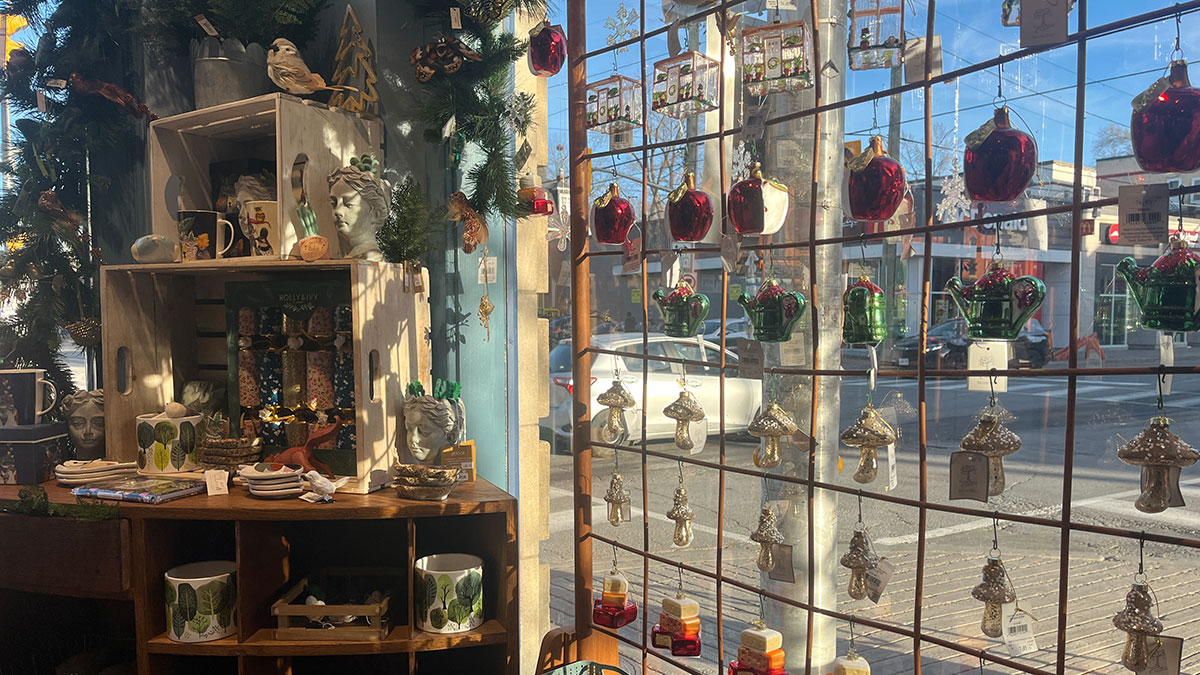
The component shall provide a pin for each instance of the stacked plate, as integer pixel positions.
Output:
(268, 480)
(80, 472)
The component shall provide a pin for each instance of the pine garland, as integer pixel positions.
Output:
(261, 21)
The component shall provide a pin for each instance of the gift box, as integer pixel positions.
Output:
(29, 453)
(613, 617)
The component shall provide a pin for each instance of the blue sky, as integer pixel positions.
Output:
(1041, 88)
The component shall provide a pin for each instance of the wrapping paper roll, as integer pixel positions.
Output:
(343, 318)
(343, 380)
(320, 324)
(292, 325)
(295, 378)
(297, 433)
(347, 438)
(247, 321)
(273, 435)
(270, 378)
(248, 378)
(320, 379)
(270, 320)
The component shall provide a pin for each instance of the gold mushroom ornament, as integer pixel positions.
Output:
(859, 559)
(868, 433)
(1157, 449)
(684, 410)
(770, 425)
(1138, 622)
(995, 441)
(617, 399)
(767, 536)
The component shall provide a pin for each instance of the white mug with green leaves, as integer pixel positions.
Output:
(201, 601)
(448, 592)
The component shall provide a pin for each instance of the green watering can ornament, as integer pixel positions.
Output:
(864, 315)
(1166, 291)
(773, 311)
(998, 304)
(683, 310)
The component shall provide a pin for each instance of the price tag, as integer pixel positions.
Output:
(206, 25)
(625, 513)
(42, 104)
(985, 355)
(893, 477)
(784, 569)
(449, 128)
(564, 275)
(1043, 22)
(670, 268)
(1144, 211)
(969, 476)
(731, 247)
(750, 359)
(522, 154)
(1166, 357)
(781, 4)
(1176, 495)
(631, 259)
(878, 578)
(56, 84)
(217, 481)
(1165, 657)
(456, 18)
(754, 121)
(622, 140)
(487, 270)
(914, 59)
(1017, 627)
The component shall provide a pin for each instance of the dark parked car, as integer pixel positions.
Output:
(946, 347)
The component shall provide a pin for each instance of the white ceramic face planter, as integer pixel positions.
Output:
(359, 200)
(430, 425)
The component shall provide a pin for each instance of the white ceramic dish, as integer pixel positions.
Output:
(75, 467)
(262, 470)
(283, 487)
(277, 494)
(85, 480)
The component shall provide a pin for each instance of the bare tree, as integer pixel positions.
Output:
(1112, 141)
(912, 153)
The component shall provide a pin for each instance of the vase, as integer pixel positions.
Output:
(224, 71)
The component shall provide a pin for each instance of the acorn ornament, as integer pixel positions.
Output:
(995, 441)
(684, 410)
(1138, 622)
(767, 536)
(859, 559)
(1156, 449)
(770, 425)
(868, 433)
(993, 591)
(617, 399)
(617, 498)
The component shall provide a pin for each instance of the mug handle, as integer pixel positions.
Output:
(229, 239)
(53, 397)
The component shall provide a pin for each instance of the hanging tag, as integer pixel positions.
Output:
(670, 268)
(784, 569)
(522, 154)
(781, 5)
(1017, 626)
(631, 259)
(1165, 657)
(914, 59)
(56, 84)
(1143, 213)
(969, 476)
(750, 359)
(1176, 495)
(754, 122)
(874, 372)
(206, 25)
(893, 474)
(730, 249)
(413, 278)
(625, 513)
(449, 128)
(985, 355)
(42, 104)
(456, 18)
(878, 578)
(622, 140)
(1166, 357)
(805, 443)
(1043, 22)
(487, 270)
(673, 45)
(217, 482)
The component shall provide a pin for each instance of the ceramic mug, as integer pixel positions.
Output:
(262, 227)
(448, 592)
(201, 601)
(202, 235)
(168, 444)
(22, 392)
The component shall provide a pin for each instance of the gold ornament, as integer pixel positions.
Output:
(617, 498)
(994, 440)
(1156, 449)
(485, 314)
(681, 513)
(617, 399)
(869, 433)
(993, 591)
(858, 560)
(770, 425)
(684, 410)
(1138, 621)
(766, 536)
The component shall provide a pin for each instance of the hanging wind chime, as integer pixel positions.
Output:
(767, 536)
(860, 558)
(1138, 619)
(678, 627)
(995, 590)
(992, 439)
(1165, 126)
(613, 608)
(681, 513)
(686, 411)
(773, 311)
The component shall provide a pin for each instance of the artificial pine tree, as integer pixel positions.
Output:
(355, 68)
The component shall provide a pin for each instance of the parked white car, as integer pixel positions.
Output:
(743, 397)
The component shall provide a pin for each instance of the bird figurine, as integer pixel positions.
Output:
(475, 231)
(288, 71)
(322, 486)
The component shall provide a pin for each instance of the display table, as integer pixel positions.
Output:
(275, 543)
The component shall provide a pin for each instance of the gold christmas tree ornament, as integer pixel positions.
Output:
(868, 433)
(684, 410)
(682, 514)
(995, 441)
(770, 425)
(993, 591)
(617, 498)
(617, 399)
(767, 536)
(1157, 449)
(1139, 622)
(859, 559)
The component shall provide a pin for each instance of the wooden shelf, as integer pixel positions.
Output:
(401, 640)
(226, 266)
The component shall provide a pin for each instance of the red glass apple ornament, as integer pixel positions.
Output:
(877, 184)
(999, 161)
(612, 217)
(547, 49)
(689, 211)
(1165, 127)
(757, 206)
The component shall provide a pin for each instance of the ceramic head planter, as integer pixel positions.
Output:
(84, 411)
(998, 304)
(360, 206)
(433, 423)
(683, 310)
(1166, 291)
(773, 311)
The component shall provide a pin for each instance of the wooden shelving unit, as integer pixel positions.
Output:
(275, 543)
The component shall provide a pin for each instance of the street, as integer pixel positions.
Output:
(1103, 493)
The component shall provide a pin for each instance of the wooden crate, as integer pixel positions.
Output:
(306, 141)
(164, 325)
(295, 619)
(97, 551)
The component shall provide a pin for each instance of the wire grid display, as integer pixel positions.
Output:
(823, 291)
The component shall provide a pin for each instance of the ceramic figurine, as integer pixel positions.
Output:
(84, 411)
(360, 206)
(432, 423)
(287, 70)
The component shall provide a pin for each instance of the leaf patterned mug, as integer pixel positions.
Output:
(448, 593)
(201, 601)
(168, 444)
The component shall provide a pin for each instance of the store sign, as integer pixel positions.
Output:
(1112, 234)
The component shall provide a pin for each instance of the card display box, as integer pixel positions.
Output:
(29, 453)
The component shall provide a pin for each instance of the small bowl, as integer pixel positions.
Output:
(424, 493)
(423, 482)
(429, 475)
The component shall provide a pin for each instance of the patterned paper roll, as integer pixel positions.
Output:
(320, 379)
(343, 380)
(270, 378)
(292, 325)
(270, 320)
(320, 324)
(297, 433)
(347, 438)
(295, 375)
(273, 435)
(247, 378)
(247, 321)
(343, 318)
